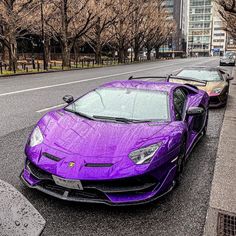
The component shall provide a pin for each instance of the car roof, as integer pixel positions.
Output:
(146, 85)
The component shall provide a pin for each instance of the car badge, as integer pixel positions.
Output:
(71, 164)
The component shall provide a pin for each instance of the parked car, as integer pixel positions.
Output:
(228, 59)
(214, 81)
(125, 142)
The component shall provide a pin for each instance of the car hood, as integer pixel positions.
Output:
(76, 135)
(75, 139)
(209, 87)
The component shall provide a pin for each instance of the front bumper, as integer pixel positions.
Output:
(218, 101)
(129, 191)
(229, 63)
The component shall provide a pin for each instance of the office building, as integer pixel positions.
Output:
(177, 10)
(200, 27)
(218, 36)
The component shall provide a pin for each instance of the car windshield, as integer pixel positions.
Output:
(123, 104)
(204, 75)
(229, 54)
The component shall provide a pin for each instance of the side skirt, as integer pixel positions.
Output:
(199, 136)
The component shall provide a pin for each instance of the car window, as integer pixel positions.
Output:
(229, 54)
(136, 104)
(206, 75)
(179, 102)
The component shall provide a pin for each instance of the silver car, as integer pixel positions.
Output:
(228, 59)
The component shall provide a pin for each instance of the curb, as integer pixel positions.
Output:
(221, 213)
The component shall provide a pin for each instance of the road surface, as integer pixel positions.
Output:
(24, 99)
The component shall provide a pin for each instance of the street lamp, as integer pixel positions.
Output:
(45, 66)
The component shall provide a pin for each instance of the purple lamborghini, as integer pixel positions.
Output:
(123, 143)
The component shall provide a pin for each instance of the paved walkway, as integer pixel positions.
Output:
(221, 216)
(17, 215)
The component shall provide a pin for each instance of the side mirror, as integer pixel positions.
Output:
(229, 78)
(195, 111)
(68, 99)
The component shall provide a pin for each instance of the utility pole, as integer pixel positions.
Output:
(43, 37)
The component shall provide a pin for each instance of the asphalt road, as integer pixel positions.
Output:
(23, 101)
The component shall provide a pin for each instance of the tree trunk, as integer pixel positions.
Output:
(136, 49)
(98, 47)
(65, 55)
(157, 48)
(47, 51)
(13, 53)
(149, 50)
(136, 54)
(4, 53)
(98, 54)
(121, 55)
(64, 40)
(126, 54)
(76, 53)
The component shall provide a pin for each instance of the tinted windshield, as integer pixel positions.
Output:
(201, 75)
(131, 104)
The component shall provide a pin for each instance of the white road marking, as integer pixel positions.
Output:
(85, 80)
(60, 105)
(50, 108)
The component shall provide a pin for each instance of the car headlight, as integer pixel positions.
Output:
(36, 137)
(217, 90)
(144, 155)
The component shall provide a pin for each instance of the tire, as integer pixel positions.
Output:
(226, 100)
(181, 162)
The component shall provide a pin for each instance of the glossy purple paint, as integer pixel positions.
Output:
(78, 140)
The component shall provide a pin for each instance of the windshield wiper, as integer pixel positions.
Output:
(120, 119)
(80, 114)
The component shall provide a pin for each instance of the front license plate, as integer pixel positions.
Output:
(71, 184)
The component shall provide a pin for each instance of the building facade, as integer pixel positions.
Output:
(219, 36)
(230, 43)
(200, 27)
(177, 10)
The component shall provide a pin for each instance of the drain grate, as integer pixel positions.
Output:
(226, 225)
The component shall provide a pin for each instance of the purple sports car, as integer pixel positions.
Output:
(123, 143)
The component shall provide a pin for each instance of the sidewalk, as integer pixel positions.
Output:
(17, 215)
(221, 215)
(84, 66)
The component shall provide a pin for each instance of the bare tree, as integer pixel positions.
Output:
(121, 24)
(100, 35)
(227, 11)
(70, 20)
(159, 36)
(15, 18)
(120, 32)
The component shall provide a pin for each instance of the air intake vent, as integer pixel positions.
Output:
(49, 156)
(226, 225)
(98, 164)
